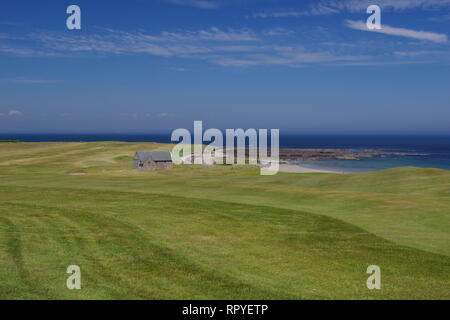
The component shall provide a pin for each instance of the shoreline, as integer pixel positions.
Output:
(292, 168)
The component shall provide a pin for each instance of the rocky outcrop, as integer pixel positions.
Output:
(343, 154)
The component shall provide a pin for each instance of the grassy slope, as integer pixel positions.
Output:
(222, 232)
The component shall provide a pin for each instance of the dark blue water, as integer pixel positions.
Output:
(435, 149)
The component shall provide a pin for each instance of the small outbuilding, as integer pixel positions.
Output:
(152, 160)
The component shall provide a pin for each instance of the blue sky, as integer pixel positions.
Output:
(155, 65)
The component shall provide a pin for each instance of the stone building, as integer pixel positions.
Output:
(152, 160)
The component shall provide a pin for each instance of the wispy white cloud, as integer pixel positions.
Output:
(420, 53)
(292, 56)
(243, 47)
(177, 69)
(25, 52)
(383, 63)
(212, 34)
(202, 4)
(15, 113)
(361, 5)
(230, 47)
(163, 115)
(165, 44)
(11, 113)
(327, 7)
(129, 115)
(319, 9)
(277, 32)
(401, 32)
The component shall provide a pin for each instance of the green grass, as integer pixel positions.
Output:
(220, 232)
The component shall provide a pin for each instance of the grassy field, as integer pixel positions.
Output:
(214, 232)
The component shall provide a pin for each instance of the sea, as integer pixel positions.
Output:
(427, 151)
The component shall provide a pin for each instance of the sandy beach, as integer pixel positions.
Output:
(299, 169)
(291, 168)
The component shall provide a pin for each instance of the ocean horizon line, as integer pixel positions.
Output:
(169, 133)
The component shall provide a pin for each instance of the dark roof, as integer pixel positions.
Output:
(155, 155)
